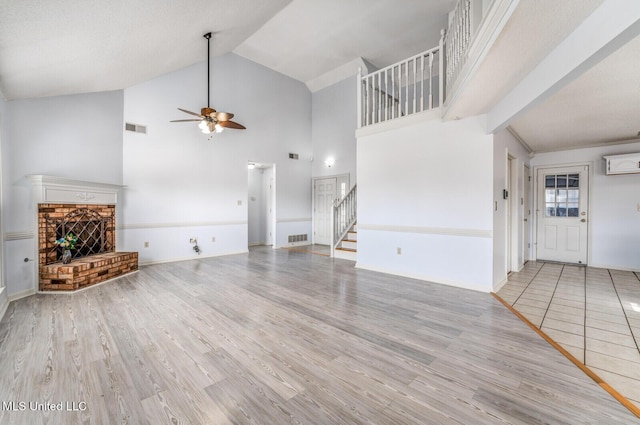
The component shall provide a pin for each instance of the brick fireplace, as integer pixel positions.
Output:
(92, 221)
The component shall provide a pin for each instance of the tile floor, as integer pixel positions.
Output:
(593, 313)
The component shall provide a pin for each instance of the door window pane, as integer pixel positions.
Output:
(550, 181)
(550, 195)
(562, 195)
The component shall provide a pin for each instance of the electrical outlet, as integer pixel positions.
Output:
(239, 202)
(146, 244)
(399, 251)
(638, 207)
(213, 238)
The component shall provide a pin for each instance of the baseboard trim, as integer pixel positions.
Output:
(498, 286)
(21, 294)
(431, 279)
(5, 302)
(174, 260)
(626, 269)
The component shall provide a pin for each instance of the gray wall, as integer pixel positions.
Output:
(181, 184)
(333, 129)
(78, 137)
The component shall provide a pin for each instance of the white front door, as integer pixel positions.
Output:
(562, 216)
(324, 192)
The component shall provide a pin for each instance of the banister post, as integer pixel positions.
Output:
(441, 70)
(359, 95)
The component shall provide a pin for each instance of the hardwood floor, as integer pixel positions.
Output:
(277, 337)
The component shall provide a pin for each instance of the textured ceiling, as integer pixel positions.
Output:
(598, 107)
(534, 29)
(65, 47)
(59, 47)
(602, 106)
(310, 37)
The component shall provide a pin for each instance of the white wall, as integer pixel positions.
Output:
(182, 185)
(333, 129)
(506, 145)
(77, 136)
(3, 288)
(614, 219)
(427, 189)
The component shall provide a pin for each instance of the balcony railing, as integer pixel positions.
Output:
(457, 40)
(404, 88)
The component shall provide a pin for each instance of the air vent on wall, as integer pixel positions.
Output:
(297, 238)
(135, 128)
(293, 156)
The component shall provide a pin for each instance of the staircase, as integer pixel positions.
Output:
(344, 237)
(347, 247)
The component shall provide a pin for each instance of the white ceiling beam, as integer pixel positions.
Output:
(608, 28)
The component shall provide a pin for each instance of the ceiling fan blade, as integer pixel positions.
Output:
(183, 120)
(189, 112)
(224, 116)
(231, 124)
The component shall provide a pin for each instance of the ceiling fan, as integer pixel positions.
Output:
(211, 121)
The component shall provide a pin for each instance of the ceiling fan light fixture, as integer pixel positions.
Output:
(210, 120)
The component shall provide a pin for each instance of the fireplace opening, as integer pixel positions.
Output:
(93, 228)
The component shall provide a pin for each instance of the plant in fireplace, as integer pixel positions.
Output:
(68, 243)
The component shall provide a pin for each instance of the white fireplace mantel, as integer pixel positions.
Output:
(62, 190)
(50, 189)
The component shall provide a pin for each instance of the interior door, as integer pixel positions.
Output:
(324, 192)
(527, 214)
(562, 216)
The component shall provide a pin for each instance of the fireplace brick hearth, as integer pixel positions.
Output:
(94, 259)
(87, 271)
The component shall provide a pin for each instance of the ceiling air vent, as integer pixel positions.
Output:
(293, 156)
(135, 128)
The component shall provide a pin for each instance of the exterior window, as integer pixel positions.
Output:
(562, 195)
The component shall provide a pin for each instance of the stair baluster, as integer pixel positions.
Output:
(344, 217)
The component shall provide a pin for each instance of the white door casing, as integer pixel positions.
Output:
(527, 214)
(324, 192)
(562, 214)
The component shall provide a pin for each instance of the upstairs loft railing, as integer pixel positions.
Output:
(404, 88)
(344, 216)
(457, 40)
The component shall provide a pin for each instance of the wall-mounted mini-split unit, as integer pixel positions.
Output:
(137, 128)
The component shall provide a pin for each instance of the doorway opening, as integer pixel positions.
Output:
(261, 204)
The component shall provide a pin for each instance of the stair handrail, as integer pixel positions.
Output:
(343, 216)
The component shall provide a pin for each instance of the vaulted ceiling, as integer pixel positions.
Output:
(62, 47)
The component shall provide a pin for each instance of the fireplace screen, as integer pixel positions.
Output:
(94, 232)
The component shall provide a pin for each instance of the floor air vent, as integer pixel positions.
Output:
(297, 238)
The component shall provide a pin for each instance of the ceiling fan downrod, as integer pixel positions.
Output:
(208, 37)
